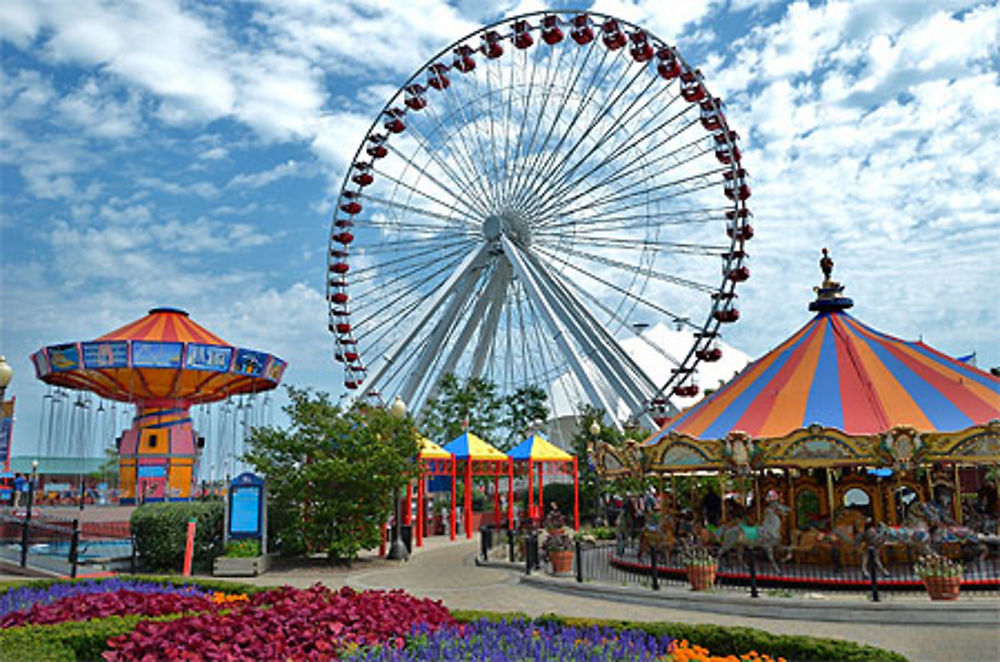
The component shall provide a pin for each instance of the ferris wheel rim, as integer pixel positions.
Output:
(723, 294)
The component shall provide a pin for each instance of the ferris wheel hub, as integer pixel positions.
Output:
(510, 224)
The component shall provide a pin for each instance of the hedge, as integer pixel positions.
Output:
(720, 640)
(160, 532)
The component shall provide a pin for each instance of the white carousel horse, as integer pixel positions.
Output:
(767, 536)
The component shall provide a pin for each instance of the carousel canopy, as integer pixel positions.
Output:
(431, 451)
(164, 355)
(839, 373)
(538, 449)
(468, 446)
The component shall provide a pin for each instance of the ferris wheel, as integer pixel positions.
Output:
(533, 196)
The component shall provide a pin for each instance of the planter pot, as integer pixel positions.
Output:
(943, 588)
(251, 566)
(562, 561)
(702, 577)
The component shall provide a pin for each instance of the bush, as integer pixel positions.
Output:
(722, 640)
(243, 549)
(69, 641)
(160, 532)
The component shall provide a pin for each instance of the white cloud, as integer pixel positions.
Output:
(260, 179)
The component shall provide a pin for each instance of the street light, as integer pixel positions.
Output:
(397, 550)
(6, 374)
(595, 431)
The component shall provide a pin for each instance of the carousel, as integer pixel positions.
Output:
(839, 433)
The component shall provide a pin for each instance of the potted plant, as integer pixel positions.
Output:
(941, 576)
(243, 558)
(558, 548)
(701, 566)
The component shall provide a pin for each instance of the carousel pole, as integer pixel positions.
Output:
(756, 495)
(792, 514)
(722, 494)
(957, 501)
(576, 496)
(829, 496)
(454, 488)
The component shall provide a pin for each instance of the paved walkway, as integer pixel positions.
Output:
(447, 572)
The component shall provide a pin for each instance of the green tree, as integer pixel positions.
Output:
(521, 409)
(474, 402)
(331, 474)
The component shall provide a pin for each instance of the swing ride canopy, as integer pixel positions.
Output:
(838, 392)
(164, 355)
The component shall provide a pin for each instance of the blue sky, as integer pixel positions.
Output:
(189, 154)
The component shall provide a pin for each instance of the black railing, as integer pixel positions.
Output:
(56, 544)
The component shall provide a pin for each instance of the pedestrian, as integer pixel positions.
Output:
(20, 485)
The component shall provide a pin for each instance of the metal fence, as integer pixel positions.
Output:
(62, 545)
(886, 571)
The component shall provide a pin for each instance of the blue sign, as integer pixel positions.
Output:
(208, 357)
(64, 357)
(108, 354)
(156, 354)
(249, 362)
(246, 506)
(152, 471)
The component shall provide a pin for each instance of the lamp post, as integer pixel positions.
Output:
(6, 374)
(27, 517)
(397, 550)
(595, 431)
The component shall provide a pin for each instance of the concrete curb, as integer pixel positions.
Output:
(980, 612)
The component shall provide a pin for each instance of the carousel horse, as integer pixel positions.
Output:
(913, 534)
(845, 531)
(971, 540)
(767, 536)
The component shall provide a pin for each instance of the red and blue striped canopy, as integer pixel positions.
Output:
(840, 373)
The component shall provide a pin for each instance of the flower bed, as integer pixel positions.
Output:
(284, 623)
(36, 598)
(162, 620)
(520, 640)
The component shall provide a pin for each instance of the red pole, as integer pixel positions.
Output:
(531, 490)
(541, 490)
(421, 516)
(510, 494)
(468, 498)
(189, 548)
(451, 520)
(496, 496)
(576, 497)
(407, 514)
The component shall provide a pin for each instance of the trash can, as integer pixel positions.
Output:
(406, 535)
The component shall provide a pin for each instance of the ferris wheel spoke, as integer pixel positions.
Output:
(637, 163)
(600, 349)
(428, 308)
(413, 189)
(467, 182)
(697, 182)
(624, 323)
(675, 317)
(637, 269)
(619, 124)
(629, 169)
(514, 154)
(543, 169)
(381, 287)
(548, 86)
(361, 274)
(464, 198)
(456, 105)
(553, 172)
(625, 244)
(534, 168)
(394, 297)
(410, 242)
(594, 225)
